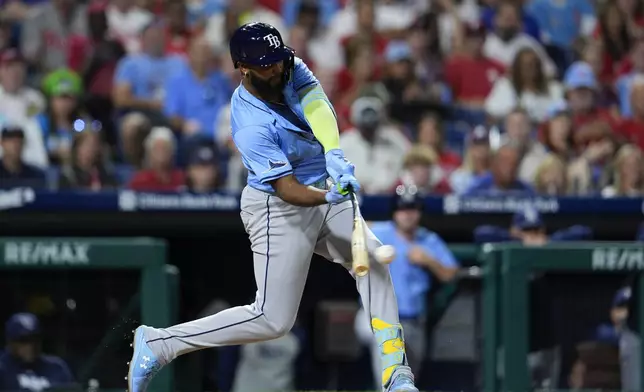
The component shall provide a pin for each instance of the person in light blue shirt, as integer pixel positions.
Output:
(195, 94)
(561, 21)
(420, 257)
(139, 89)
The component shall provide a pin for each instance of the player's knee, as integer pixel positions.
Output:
(278, 328)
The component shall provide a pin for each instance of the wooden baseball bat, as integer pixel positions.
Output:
(359, 252)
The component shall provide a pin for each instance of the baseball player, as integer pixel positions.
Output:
(296, 203)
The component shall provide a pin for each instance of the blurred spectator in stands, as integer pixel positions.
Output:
(65, 114)
(592, 53)
(528, 227)
(374, 146)
(88, 169)
(221, 25)
(7, 37)
(55, 36)
(160, 173)
(597, 147)
(452, 15)
(581, 89)
(126, 20)
(624, 83)
(195, 94)
(632, 129)
(399, 77)
(139, 89)
(597, 367)
(426, 51)
(626, 173)
(561, 22)
(14, 171)
(529, 24)
(200, 10)
(431, 133)
(421, 260)
(417, 172)
(23, 367)
(502, 178)
(98, 73)
(476, 163)
(557, 131)
(18, 101)
(352, 80)
(34, 152)
(613, 31)
(518, 130)
(325, 9)
(236, 172)
(303, 34)
(551, 176)
(366, 32)
(506, 40)
(178, 32)
(202, 173)
(526, 86)
(470, 73)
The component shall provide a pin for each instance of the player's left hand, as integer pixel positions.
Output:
(337, 165)
(347, 182)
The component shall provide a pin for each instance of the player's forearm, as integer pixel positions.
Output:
(320, 115)
(291, 191)
(442, 273)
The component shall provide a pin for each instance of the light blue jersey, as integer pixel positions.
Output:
(273, 145)
(412, 282)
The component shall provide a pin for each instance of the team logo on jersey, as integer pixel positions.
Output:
(273, 40)
(275, 165)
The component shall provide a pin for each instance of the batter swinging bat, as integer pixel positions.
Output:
(358, 241)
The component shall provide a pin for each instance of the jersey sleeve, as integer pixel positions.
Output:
(261, 153)
(303, 78)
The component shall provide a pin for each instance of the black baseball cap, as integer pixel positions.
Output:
(11, 132)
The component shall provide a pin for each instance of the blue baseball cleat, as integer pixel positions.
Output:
(403, 383)
(144, 365)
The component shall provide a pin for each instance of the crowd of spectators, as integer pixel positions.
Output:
(451, 96)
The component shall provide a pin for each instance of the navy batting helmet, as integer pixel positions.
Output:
(259, 44)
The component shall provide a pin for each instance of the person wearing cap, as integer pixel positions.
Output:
(202, 173)
(160, 173)
(528, 228)
(507, 39)
(377, 149)
(139, 89)
(23, 367)
(14, 172)
(196, 94)
(470, 73)
(18, 101)
(420, 257)
(476, 163)
(581, 89)
(65, 115)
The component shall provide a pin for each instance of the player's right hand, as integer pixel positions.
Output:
(337, 195)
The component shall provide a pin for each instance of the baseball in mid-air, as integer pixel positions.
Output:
(385, 254)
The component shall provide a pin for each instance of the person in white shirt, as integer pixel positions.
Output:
(126, 21)
(525, 86)
(507, 39)
(18, 102)
(376, 148)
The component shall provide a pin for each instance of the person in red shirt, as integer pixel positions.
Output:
(581, 89)
(178, 33)
(632, 129)
(160, 174)
(470, 74)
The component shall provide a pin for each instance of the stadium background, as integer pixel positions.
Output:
(115, 127)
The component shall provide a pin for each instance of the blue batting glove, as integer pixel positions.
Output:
(336, 195)
(337, 164)
(348, 182)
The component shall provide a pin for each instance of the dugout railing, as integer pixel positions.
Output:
(147, 255)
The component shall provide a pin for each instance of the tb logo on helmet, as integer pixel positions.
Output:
(273, 40)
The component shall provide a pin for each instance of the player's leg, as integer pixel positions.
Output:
(282, 238)
(376, 292)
